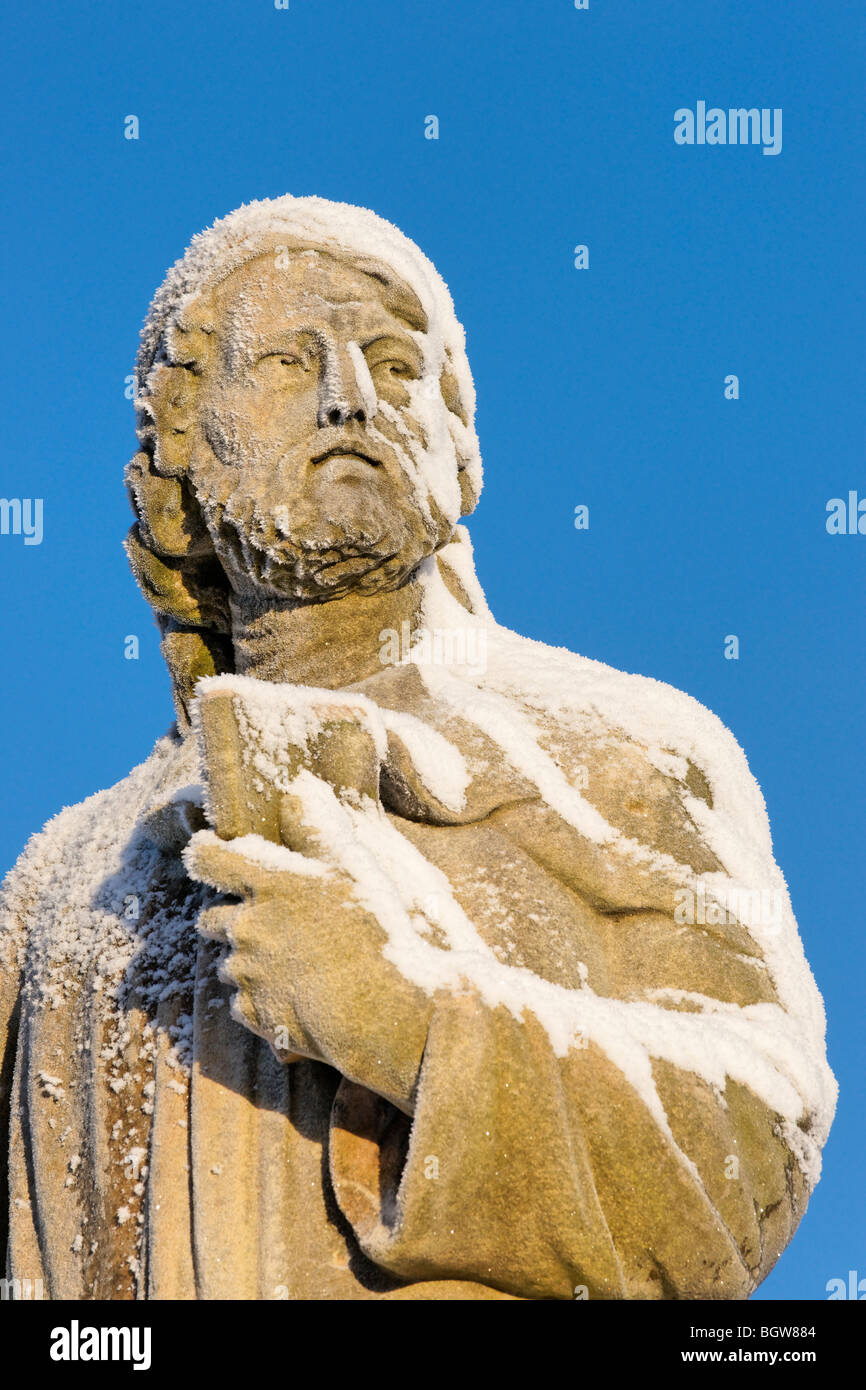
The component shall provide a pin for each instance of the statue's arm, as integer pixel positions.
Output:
(556, 1170)
(546, 1176)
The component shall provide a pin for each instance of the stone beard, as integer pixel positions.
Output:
(373, 981)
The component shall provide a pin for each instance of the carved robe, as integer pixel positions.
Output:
(664, 1147)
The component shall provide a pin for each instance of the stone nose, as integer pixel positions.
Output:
(345, 387)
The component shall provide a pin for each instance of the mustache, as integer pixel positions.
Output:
(341, 443)
(381, 447)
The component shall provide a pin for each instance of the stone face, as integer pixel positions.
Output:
(383, 976)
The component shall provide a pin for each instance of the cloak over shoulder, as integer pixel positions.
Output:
(615, 1101)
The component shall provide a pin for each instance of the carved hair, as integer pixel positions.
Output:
(169, 547)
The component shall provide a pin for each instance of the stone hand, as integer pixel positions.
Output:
(306, 959)
(305, 954)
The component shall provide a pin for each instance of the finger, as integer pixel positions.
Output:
(215, 923)
(219, 863)
(247, 867)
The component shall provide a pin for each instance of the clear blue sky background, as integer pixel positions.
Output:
(602, 387)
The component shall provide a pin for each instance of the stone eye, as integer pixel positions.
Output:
(279, 366)
(396, 367)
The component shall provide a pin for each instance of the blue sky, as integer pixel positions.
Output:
(602, 387)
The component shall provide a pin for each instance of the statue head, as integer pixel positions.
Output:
(305, 411)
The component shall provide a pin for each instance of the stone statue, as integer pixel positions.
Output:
(419, 960)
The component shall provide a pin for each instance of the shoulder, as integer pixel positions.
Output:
(68, 866)
(629, 741)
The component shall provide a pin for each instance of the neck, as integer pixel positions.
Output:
(330, 645)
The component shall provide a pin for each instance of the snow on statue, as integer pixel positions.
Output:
(394, 972)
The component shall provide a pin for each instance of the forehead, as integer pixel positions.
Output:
(300, 289)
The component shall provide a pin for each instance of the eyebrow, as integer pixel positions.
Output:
(269, 347)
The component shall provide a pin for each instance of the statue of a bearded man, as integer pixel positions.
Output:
(419, 959)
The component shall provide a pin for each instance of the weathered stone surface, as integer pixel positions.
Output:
(420, 960)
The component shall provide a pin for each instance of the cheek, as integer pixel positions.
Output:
(216, 460)
(391, 389)
(425, 420)
(405, 422)
(236, 433)
(263, 419)
(224, 429)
